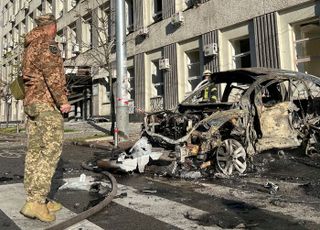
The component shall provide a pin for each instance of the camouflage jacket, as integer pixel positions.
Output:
(42, 70)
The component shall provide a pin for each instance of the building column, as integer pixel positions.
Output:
(171, 89)
(94, 28)
(139, 81)
(212, 62)
(79, 32)
(266, 41)
(168, 8)
(138, 14)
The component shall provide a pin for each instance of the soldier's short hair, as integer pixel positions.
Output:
(45, 19)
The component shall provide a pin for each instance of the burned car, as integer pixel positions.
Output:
(253, 110)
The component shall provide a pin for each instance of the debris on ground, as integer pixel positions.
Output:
(137, 158)
(82, 183)
(272, 187)
(149, 191)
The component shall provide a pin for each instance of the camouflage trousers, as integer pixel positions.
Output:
(45, 137)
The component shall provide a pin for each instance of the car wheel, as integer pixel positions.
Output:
(230, 157)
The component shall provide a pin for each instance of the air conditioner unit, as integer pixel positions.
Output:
(143, 31)
(11, 19)
(191, 3)
(130, 28)
(76, 48)
(26, 5)
(210, 49)
(164, 64)
(73, 3)
(177, 18)
(156, 16)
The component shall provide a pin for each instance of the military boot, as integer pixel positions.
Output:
(53, 206)
(37, 210)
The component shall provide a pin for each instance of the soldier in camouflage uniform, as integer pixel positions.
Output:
(45, 101)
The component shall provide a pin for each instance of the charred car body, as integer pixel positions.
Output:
(255, 110)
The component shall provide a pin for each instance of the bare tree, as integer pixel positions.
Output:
(97, 55)
(15, 66)
(6, 96)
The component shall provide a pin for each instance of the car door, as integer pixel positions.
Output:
(274, 111)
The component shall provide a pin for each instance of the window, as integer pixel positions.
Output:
(157, 87)
(10, 10)
(129, 16)
(103, 27)
(16, 6)
(130, 74)
(62, 43)
(23, 28)
(5, 42)
(30, 23)
(59, 8)
(39, 11)
(87, 32)
(73, 40)
(5, 15)
(10, 41)
(48, 6)
(241, 55)
(157, 79)
(307, 47)
(21, 4)
(157, 10)
(193, 70)
(15, 36)
(72, 4)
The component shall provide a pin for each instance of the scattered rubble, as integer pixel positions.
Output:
(137, 158)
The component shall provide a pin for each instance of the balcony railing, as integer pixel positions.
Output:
(156, 103)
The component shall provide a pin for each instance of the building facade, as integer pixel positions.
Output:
(169, 44)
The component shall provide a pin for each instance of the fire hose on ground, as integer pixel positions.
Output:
(84, 215)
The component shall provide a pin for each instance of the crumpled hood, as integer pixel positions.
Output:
(34, 34)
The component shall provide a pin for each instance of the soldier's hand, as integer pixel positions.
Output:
(65, 108)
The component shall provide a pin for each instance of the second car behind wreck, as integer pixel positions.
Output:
(251, 111)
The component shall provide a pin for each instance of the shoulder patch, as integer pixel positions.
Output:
(54, 49)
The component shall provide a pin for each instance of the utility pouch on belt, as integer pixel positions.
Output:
(17, 88)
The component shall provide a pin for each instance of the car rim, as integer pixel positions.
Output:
(231, 156)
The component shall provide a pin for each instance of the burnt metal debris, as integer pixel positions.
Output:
(254, 110)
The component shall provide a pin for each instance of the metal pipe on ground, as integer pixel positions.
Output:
(93, 210)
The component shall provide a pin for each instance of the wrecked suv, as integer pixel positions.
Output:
(254, 110)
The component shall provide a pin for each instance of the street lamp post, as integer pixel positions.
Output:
(122, 111)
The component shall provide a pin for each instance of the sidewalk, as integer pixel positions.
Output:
(97, 135)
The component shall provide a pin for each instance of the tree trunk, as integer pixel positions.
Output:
(112, 103)
(8, 114)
